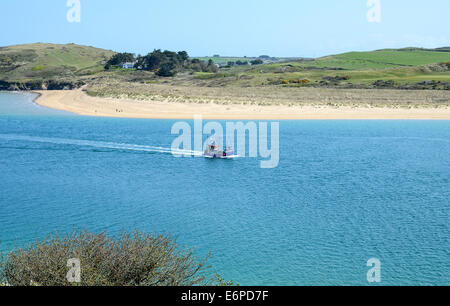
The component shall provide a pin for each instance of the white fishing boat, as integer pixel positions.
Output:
(213, 151)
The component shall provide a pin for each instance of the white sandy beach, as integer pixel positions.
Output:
(77, 101)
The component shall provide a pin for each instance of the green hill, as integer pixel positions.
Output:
(45, 61)
(50, 66)
(383, 59)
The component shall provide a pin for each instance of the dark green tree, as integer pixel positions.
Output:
(256, 62)
(241, 63)
(166, 70)
(120, 58)
(164, 63)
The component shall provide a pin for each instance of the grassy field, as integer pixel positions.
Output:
(381, 59)
(278, 73)
(40, 61)
(403, 67)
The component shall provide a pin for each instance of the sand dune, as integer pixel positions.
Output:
(79, 102)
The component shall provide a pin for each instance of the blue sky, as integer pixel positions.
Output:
(247, 27)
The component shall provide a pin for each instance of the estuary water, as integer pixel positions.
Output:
(344, 192)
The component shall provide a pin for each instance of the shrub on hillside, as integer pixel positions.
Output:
(256, 62)
(37, 68)
(130, 260)
(166, 70)
(447, 64)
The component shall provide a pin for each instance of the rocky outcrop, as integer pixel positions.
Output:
(40, 85)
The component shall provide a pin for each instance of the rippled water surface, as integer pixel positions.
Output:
(344, 192)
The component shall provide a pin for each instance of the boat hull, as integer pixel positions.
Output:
(221, 157)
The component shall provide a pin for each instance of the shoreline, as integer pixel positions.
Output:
(78, 102)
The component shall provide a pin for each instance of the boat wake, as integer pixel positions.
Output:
(99, 144)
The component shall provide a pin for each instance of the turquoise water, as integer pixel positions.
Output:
(344, 192)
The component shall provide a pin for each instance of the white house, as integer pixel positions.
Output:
(127, 65)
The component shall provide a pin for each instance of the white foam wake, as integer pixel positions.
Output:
(99, 144)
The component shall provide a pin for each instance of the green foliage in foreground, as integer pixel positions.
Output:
(130, 260)
(221, 282)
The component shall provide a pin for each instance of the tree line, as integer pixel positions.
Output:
(163, 63)
(245, 63)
